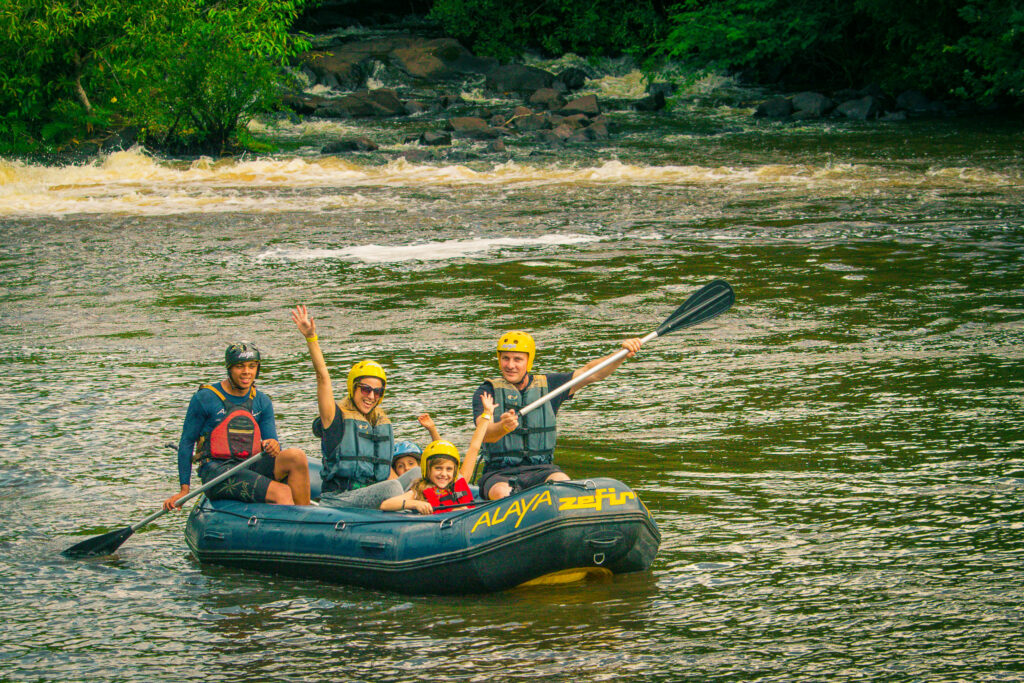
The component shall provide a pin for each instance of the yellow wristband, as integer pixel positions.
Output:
(311, 339)
(485, 416)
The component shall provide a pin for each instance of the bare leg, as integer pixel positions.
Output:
(292, 467)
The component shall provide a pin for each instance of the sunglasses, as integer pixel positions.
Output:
(367, 389)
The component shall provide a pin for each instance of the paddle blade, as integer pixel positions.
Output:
(100, 545)
(710, 301)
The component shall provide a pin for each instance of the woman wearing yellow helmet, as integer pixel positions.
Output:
(356, 438)
(441, 486)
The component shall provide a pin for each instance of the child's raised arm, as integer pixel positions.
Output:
(428, 424)
(482, 423)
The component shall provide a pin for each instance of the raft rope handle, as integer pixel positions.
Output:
(340, 525)
(403, 519)
(254, 520)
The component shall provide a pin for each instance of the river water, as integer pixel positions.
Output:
(836, 465)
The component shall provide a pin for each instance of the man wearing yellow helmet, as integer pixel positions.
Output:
(356, 438)
(520, 450)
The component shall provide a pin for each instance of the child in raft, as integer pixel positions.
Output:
(445, 481)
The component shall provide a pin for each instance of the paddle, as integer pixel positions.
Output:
(109, 542)
(710, 301)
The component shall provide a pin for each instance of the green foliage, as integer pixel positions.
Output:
(970, 48)
(189, 73)
(503, 28)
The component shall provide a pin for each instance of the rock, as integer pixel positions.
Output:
(518, 78)
(812, 104)
(360, 144)
(573, 78)
(653, 102)
(413, 107)
(416, 155)
(472, 127)
(597, 131)
(582, 105)
(549, 139)
(531, 122)
(434, 139)
(575, 121)
(860, 109)
(893, 116)
(775, 108)
(120, 140)
(665, 89)
(361, 104)
(546, 98)
(562, 132)
(496, 147)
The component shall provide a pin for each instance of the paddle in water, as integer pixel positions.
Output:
(109, 542)
(710, 301)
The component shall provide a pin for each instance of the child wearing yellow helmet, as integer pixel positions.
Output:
(441, 485)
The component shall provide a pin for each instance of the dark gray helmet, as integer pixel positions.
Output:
(241, 352)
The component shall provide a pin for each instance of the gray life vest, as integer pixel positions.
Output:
(363, 456)
(533, 441)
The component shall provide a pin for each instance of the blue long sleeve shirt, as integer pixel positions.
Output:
(206, 411)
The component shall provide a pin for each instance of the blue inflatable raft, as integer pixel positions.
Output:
(556, 532)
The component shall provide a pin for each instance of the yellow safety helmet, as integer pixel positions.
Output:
(438, 449)
(365, 368)
(516, 340)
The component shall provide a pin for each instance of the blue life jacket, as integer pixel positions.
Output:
(363, 456)
(533, 441)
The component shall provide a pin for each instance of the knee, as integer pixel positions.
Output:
(279, 494)
(557, 476)
(295, 458)
(499, 490)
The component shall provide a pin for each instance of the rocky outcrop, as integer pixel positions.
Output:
(869, 103)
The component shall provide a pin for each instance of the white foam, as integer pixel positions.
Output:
(421, 251)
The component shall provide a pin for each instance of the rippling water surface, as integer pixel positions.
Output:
(836, 465)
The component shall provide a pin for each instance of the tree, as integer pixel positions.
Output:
(188, 73)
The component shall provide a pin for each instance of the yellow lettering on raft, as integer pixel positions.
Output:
(519, 507)
(596, 501)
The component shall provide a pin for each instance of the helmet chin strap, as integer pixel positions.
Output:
(234, 384)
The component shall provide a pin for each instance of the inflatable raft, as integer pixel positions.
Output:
(556, 532)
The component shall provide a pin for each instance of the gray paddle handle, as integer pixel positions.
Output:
(621, 353)
(205, 487)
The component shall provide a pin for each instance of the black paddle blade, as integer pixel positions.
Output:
(100, 545)
(711, 300)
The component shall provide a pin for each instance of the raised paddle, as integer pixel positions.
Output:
(109, 542)
(710, 301)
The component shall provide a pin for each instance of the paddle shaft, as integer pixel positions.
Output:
(205, 487)
(615, 357)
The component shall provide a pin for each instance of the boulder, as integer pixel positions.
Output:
(472, 127)
(518, 78)
(812, 104)
(364, 103)
(573, 78)
(531, 122)
(546, 98)
(360, 144)
(775, 108)
(860, 109)
(582, 105)
(652, 102)
(434, 139)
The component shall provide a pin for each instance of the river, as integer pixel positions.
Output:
(836, 464)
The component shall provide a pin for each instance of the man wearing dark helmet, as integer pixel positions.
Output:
(230, 421)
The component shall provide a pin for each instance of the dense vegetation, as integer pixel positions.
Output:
(972, 49)
(188, 74)
(185, 74)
